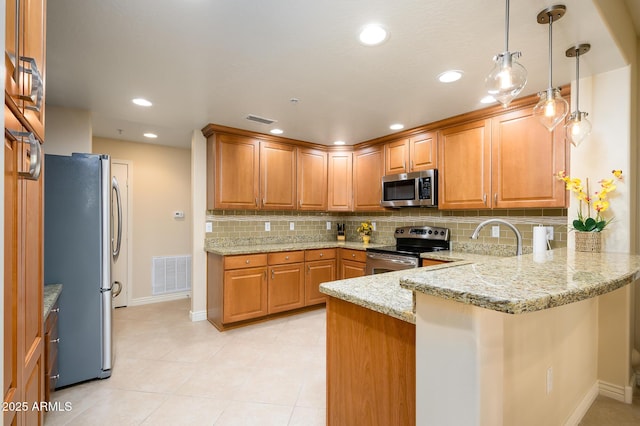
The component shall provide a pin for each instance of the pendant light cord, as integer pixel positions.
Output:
(550, 51)
(578, 82)
(506, 28)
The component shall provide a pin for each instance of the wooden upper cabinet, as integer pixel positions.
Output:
(340, 182)
(237, 172)
(423, 152)
(312, 179)
(525, 160)
(368, 169)
(411, 154)
(277, 176)
(465, 166)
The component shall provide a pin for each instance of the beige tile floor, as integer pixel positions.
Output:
(171, 371)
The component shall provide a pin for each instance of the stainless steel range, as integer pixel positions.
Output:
(410, 242)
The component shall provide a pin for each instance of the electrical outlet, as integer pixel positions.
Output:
(549, 380)
(373, 225)
(549, 233)
(292, 226)
(328, 226)
(208, 227)
(267, 226)
(495, 231)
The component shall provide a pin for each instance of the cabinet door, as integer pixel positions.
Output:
(396, 157)
(368, 169)
(34, 53)
(351, 269)
(525, 159)
(465, 166)
(244, 294)
(423, 152)
(237, 172)
(277, 176)
(318, 272)
(286, 287)
(312, 179)
(340, 185)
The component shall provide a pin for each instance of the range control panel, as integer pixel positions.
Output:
(422, 232)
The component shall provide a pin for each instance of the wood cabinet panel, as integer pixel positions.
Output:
(277, 176)
(319, 254)
(34, 48)
(465, 166)
(318, 272)
(286, 287)
(312, 179)
(51, 351)
(237, 172)
(396, 157)
(432, 262)
(340, 182)
(525, 160)
(368, 169)
(371, 367)
(283, 257)
(354, 255)
(245, 261)
(351, 269)
(245, 294)
(423, 152)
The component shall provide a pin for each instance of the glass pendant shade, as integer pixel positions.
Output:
(507, 78)
(577, 128)
(551, 109)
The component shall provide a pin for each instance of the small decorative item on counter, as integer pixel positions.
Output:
(365, 230)
(588, 237)
(341, 228)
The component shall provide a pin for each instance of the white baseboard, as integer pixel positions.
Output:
(159, 298)
(613, 391)
(582, 408)
(198, 316)
(628, 390)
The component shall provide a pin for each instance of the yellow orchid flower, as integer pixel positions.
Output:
(600, 205)
(616, 173)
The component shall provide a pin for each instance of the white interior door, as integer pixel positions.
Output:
(120, 271)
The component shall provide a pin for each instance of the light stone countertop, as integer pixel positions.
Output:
(271, 248)
(511, 285)
(51, 293)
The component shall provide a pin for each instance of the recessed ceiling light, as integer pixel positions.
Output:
(487, 100)
(372, 35)
(141, 102)
(450, 76)
(338, 143)
(277, 131)
(150, 135)
(396, 126)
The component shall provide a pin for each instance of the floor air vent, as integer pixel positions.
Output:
(171, 274)
(259, 119)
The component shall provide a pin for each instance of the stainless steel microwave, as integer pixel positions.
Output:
(415, 189)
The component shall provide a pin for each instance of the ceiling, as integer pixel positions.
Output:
(216, 61)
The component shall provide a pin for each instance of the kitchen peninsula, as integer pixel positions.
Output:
(518, 340)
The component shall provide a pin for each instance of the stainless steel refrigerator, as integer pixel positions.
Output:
(80, 247)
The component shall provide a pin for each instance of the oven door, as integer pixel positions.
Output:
(379, 263)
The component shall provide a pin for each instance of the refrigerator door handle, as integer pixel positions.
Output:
(117, 288)
(116, 250)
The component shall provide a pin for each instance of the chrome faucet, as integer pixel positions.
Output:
(474, 236)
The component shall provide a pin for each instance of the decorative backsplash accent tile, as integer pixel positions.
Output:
(247, 227)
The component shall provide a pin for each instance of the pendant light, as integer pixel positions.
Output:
(551, 109)
(578, 127)
(508, 77)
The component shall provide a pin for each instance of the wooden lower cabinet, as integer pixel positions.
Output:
(352, 263)
(245, 294)
(51, 340)
(286, 287)
(320, 268)
(371, 367)
(432, 262)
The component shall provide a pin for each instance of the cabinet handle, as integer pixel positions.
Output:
(286, 258)
(300, 203)
(495, 198)
(256, 201)
(56, 377)
(35, 156)
(264, 201)
(353, 255)
(273, 274)
(55, 340)
(411, 165)
(404, 166)
(265, 274)
(247, 261)
(484, 199)
(308, 269)
(321, 254)
(35, 97)
(55, 310)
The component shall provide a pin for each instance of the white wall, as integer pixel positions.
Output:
(67, 131)
(198, 207)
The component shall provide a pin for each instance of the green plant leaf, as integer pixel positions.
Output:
(590, 224)
(600, 225)
(578, 225)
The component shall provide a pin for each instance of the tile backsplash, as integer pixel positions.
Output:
(247, 227)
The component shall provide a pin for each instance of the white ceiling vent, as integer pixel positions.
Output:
(259, 119)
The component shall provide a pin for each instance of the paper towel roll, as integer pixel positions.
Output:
(539, 239)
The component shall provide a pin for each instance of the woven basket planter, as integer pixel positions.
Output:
(589, 241)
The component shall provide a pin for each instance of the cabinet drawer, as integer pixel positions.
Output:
(432, 262)
(356, 255)
(245, 261)
(319, 254)
(284, 257)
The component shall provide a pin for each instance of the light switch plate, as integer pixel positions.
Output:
(328, 226)
(267, 226)
(549, 233)
(495, 231)
(373, 225)
(292, 226)
(208, 227)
